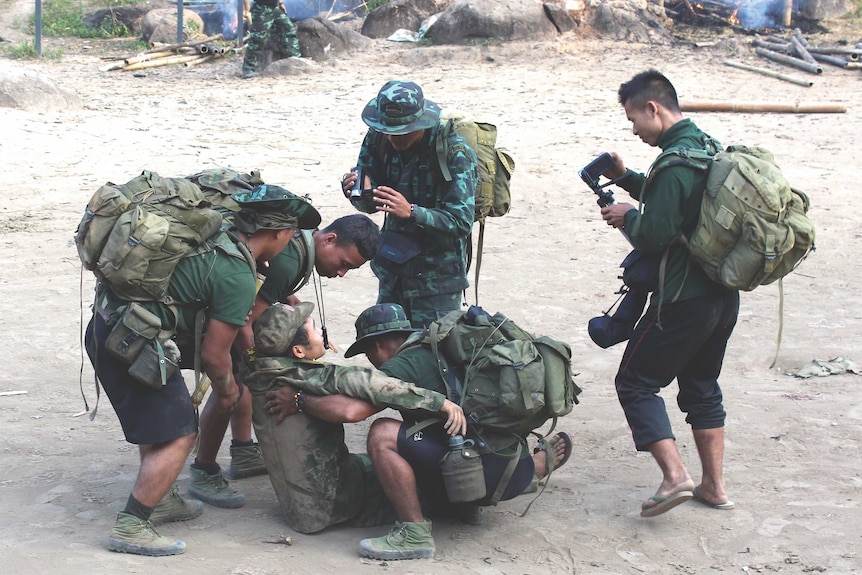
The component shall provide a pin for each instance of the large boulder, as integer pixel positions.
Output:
(26, 90)
(128, 17)
(629, 20)
(160, 25)
(387, 18)
(825, 9)
(320, 38)
(472, 20)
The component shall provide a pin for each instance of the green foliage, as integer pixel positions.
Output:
(856, 12)
(27, 51)
(66, 18)
(372, 4)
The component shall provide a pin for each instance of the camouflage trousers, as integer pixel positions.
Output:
(269, 21)
(422, 310)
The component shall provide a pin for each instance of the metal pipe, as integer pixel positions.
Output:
(749, 108)
(852, 53)
(800, 49)
(38, 40)
(786, 47)
(240, 22)
(790, 61)
(834, 60)
(179, 21)
(770, 73)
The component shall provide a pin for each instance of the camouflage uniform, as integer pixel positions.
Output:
(268, 17)
(318, 482)
(426, 269)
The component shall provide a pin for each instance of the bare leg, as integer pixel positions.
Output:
(675, 477)
(240, 419)
(213, 425)
(160, 465)
(710, 447)
(395, 474)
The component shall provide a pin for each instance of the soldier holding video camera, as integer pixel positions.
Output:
(683, 334)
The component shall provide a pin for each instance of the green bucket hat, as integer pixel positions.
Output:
(377, 320)
(400, 108)
(270, 207)
(276, 327)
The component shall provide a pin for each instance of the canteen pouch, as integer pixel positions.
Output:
(133, 330)
(156, 362)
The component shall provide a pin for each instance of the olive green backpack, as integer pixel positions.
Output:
(133, 235)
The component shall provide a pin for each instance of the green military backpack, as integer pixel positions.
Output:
(133, 235)
(505, 379)
(753, 228)
(219, 184)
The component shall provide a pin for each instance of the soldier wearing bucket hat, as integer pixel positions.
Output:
(300, 404)
(422, 261)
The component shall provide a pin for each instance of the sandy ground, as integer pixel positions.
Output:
(793, 446)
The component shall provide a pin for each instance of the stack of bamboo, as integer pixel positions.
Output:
(187, 54)
(797, 52)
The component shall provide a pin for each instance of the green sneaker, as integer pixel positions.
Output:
(214, 489)
(134, 535)
(173, 507)
(406, 541)
(246, 462)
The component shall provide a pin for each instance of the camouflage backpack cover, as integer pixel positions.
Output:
(133, 235)
(505, 379)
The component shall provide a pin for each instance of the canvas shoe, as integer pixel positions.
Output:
(214, 489)
(407, 540)
(173, 507)
(246, 462)
(135, 535)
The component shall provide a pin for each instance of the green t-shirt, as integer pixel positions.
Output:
(284, 271)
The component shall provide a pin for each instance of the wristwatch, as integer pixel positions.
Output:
(412, 211)
(299, 399)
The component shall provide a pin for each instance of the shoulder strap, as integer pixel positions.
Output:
(305, 247)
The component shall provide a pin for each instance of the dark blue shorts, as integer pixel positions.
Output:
(147, 416)
(424, 450)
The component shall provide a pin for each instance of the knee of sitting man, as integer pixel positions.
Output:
(383, 435)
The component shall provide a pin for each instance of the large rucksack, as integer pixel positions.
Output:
(219, 184)
(505, 379)
(133, 235)
(752, 229)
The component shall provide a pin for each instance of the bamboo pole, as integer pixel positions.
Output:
(753, 108)
(790, 61)
(200, 60)
(185, 44)
(788, 12)
(148, 57)
(801, 50)
(784, 47)
(834, 60)
(161, 62)
(852, 53)
(770, 73)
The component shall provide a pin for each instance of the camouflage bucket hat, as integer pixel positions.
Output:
(270, 207)
(377, 320)
(400, 108)
(276, 327)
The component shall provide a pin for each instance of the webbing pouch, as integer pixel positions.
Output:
(397, 247)
(136, 326)
(156, 362)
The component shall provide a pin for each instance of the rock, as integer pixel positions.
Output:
(470, 20)
(161, 25)
(291, 67)
(560, 18)
(26, 90)
(387, 18)
(320, 38)
(630, 20)
(825, 9)
(110, 18)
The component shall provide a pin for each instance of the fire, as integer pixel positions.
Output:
(733, 18)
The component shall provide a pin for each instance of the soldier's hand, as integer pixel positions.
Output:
(391, 201)
(281, 403)
(456, 422)
(347, 183)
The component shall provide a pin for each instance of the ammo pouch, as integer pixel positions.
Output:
(137, 340)
(397, 248)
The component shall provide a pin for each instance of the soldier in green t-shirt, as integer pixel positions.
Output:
(215, 277)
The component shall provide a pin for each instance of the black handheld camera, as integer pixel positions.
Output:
(356, 192)
(591, 173)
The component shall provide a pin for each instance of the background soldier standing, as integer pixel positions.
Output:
(268, 17)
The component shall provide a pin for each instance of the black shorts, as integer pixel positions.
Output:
(424, 449)
(147, 416)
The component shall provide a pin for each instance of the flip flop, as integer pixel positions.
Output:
(543, 446)
(726, 506)
(664, 504)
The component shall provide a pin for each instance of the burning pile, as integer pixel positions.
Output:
(745, 14)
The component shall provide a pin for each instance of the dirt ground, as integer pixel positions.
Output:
(793, 445)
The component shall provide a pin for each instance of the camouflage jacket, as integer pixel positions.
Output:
(371, 385)
(433, 242)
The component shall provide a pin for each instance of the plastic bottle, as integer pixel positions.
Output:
(462, 471)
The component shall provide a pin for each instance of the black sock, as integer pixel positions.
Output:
(235, 443)
(138, 509)
(208, 468)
